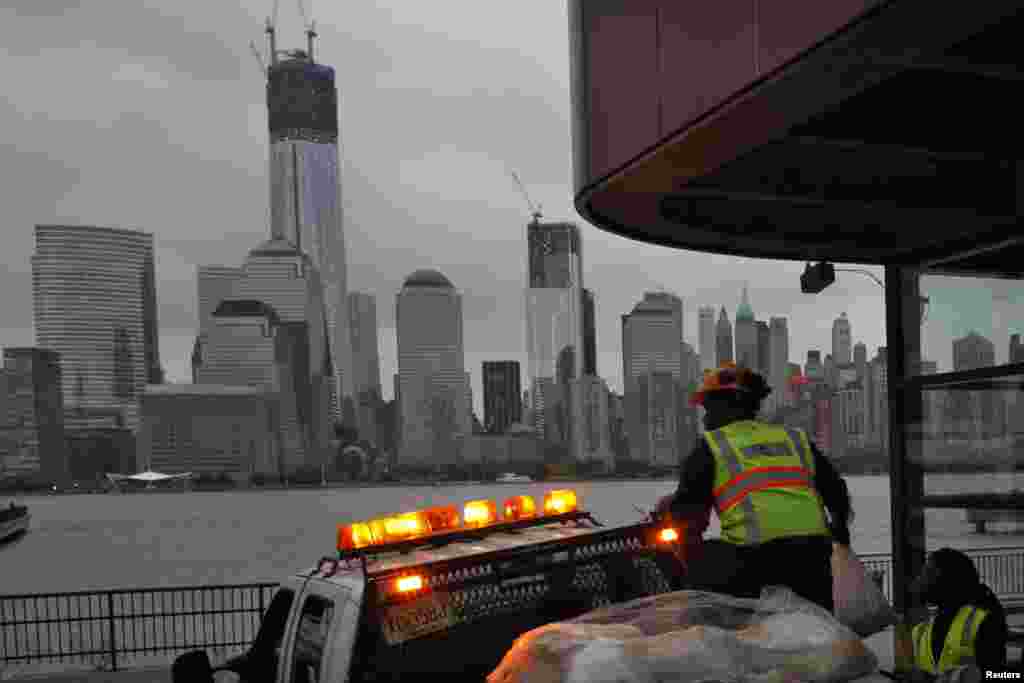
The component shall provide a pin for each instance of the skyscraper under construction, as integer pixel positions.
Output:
(554, 328)
(305, 190)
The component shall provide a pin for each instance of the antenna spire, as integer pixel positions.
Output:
(269, 30)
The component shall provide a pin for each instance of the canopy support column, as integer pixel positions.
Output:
(906, 481)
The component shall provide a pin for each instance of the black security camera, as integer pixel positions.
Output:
(817, 277)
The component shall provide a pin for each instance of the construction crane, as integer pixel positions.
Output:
(310, 27)
(535, 209)
(259, 57)
(310, 35)
(270, 29)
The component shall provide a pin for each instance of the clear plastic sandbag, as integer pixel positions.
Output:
(859, 603)
(692, 636)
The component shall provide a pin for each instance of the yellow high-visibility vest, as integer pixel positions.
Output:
(958, 650)
(764, 483)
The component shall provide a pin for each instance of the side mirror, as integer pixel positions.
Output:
(192, 666)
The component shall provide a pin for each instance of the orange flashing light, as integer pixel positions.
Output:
(520, 507)
(382, 530)
(478, 513)
(409, 584)
(354, 536)
(404, 526)
(560, 502)
(443, 518)
(668, 535)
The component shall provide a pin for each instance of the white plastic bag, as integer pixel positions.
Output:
(859, 603)
(692, 637)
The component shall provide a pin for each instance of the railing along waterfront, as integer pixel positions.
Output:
(117, 629)
(1002, 569)
(114, 629)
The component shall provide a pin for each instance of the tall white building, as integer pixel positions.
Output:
(213, 285)
(555, 330)
(652, 336)
(860, 360)
(247, 346)
(842, 341)
(877, 413)
(94, 298)
(778, 364)
(691, 364)
(706, 337)
(273, 321)
(746, 333)
(305, 192)
(596, 422)
(723, 339)
(433, 405)
(653, 378)
(362, 312)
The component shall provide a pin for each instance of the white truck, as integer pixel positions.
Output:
(445, 591)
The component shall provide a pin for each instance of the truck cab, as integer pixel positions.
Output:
(446, 591)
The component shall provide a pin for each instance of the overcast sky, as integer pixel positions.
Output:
(150, 115)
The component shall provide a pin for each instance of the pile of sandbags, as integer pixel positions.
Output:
(691, 637)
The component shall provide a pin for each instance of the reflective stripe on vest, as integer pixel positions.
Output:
(742, 483)
(958, 648)
(734, 490)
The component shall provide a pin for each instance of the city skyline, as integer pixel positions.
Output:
(410, 201)
(220, 278)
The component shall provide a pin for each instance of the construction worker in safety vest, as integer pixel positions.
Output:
(770, 488)
(969, 627)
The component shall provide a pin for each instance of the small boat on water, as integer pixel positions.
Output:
(510, 478)
(13, 521)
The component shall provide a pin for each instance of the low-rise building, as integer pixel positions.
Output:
(210, 429)
(519, 449)
(97, 451)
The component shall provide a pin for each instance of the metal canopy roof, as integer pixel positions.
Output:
(895, 141)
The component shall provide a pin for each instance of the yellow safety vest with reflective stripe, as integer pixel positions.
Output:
(764, 483)
(958, 650)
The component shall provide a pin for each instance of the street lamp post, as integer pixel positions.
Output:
(924, 300)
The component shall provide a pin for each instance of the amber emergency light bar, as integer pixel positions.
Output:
(442, 524)
(432, 523)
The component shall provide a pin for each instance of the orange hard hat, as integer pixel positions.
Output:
(728, 377)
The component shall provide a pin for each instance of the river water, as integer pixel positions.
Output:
(88, 542)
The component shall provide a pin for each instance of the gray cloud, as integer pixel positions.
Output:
(150, 115)
(188, 40)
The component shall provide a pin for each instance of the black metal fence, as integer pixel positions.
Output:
(115, 629)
